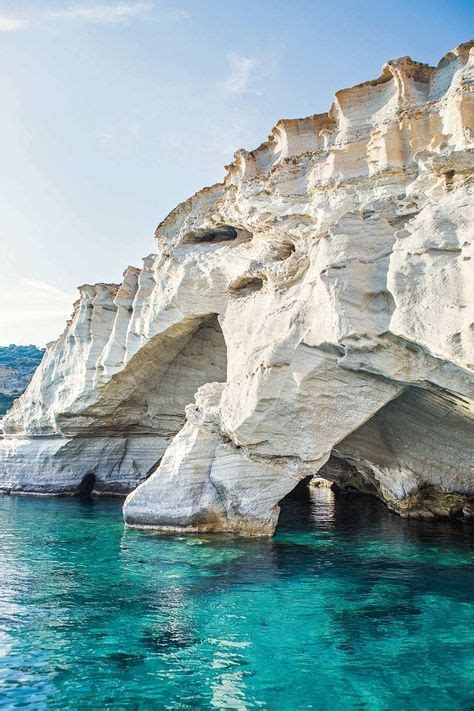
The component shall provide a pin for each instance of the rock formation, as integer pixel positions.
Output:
(310, 313)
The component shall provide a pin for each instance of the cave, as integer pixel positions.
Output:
(422, 437)
(337, 491)
(220, 233)
(202, 359)
(307, 505)
(86, 485)
(286, 249)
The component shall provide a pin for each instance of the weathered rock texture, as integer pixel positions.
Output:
(315, 304)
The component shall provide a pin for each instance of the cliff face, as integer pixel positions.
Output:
(315, 304)
(17, 366)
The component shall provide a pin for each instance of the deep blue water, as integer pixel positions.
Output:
(348, 607)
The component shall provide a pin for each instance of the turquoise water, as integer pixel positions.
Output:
(348, 607)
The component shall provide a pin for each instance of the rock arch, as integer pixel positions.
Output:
(121, 437)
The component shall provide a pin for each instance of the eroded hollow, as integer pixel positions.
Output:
(344, 477)
(301, 492)
(316, 500)
(149, 396)
(245, 285)
(143, 406)
(421, 439)
(417, 441)
(86, 486)
(221, 233)
(306, 504)
(285, 250)
(203, 359)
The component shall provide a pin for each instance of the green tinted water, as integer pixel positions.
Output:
(348, 607)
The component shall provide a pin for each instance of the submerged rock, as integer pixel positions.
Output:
(316, 303)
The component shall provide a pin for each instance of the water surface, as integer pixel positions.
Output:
(348, 607)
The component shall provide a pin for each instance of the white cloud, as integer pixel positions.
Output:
(241, 73)
(11, 24)
(179, 14)
(121, 12)
(98, 13)
(247, 72)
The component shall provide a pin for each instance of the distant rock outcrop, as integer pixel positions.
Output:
(17, 365)
(313, 312)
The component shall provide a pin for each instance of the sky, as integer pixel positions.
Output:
(114, 112)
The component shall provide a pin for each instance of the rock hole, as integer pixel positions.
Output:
(245, 285)
(306, 504)
(86, 486)
(448, 179)
(286, 250)
(223, 233)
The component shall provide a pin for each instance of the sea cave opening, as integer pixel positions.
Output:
(310, 502)
(86, 485)
(149, 396)
(316, 500)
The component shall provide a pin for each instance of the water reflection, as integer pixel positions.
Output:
(102, 616)
(322, 506)
(228, 692)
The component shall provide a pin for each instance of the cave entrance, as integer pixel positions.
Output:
(314, 501)
(301, 492)
(310, 504)
(420, 437)
(86, 486)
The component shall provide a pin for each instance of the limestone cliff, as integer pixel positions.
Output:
(316, 304)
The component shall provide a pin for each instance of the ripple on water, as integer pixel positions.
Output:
(348, 606)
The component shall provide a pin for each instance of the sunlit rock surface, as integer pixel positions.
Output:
(312, 313)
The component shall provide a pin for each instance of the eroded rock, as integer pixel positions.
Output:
(318, 302)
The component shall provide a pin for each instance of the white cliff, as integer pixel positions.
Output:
(312, 312)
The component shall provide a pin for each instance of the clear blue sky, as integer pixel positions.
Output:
(113, 112)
